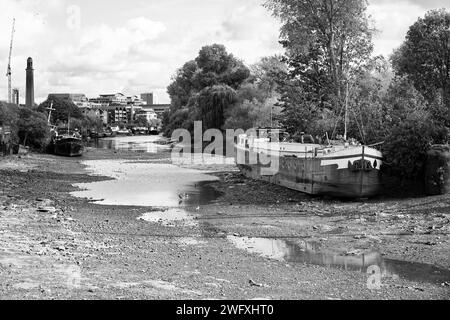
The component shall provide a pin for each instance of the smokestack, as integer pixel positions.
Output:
(29, 99)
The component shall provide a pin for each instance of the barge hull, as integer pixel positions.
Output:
(307, 175)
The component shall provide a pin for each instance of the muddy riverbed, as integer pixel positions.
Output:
(127, 223)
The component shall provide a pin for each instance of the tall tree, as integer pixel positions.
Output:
(9, 115)
(326, 42)
(424, 58)
(33, 128)
(324, 38)
(204, 88)
(257, 98)
(181, 88)
(213, 102)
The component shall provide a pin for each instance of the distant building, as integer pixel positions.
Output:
(148, 98)
(117, 99)
(117, 108)
(115, 114)
(78, 99)
(15, 96)
(135, 100)
(149, 114)
(149, 103)
(160, 108)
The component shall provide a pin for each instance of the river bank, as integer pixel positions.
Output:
(249, 240)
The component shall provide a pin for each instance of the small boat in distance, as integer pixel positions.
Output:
(140, 130)
(68, 143)
(124, 132)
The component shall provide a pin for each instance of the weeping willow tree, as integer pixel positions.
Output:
(204, 88)
(213, 102)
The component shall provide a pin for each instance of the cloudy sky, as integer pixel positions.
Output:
(135, 46)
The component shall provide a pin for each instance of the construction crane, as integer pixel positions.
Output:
(8, 72)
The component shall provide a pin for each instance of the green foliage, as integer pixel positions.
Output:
(328, 43)
(92, 122)
(203, 89)
(242, 116)
(9, 115)
(213, 102)
(367, 115)
(181, 88)
(63, 109)
(29, 127)
(141, 121)
(155, 123)
(33, 129)
(325, 41)
(408, 142)
(410, 130)
(178, 119)
(401, 99)
(424, 58)
(257, 98)
(298, 114)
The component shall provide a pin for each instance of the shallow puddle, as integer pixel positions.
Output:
(311, 253)
(138, 183)
(142, 144)
(170, 217)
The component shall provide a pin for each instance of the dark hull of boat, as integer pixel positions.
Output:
(307, 175)
(69, 148)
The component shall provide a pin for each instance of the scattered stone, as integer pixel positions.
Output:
(374, 238)
(254, 284)
(47, 209)
(356, 252)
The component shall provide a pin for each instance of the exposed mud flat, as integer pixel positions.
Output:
(247, 240)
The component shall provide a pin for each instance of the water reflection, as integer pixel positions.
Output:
(311, 253)
(141, 144)
(147, 184)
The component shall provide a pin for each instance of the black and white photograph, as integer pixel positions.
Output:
(225, 155)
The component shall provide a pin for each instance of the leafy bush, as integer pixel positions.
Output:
(33, 129)
(407, 144)
(62, 110)
(9, 115)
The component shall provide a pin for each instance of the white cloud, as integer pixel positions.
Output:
(137, 46)
(393, 19)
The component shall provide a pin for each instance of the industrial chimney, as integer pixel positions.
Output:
(29, 98)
